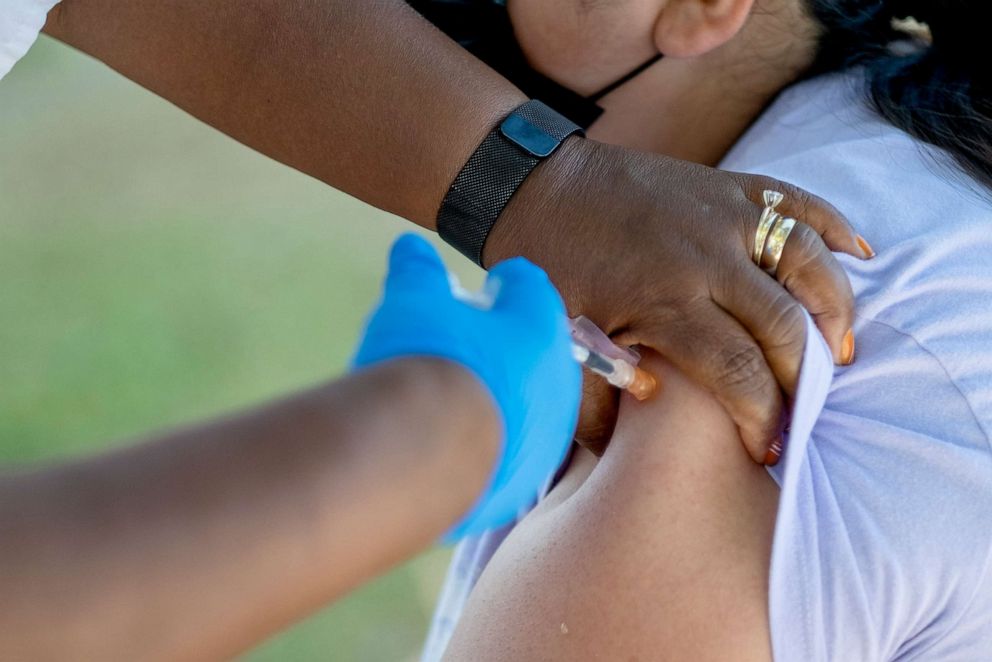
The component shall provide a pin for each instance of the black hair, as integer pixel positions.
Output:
(936, 87)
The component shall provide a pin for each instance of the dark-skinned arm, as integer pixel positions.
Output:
(366, 96)
(371, 99)
(201, 543)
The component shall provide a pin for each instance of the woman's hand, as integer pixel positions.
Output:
(658, 252)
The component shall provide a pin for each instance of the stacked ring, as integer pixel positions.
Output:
(773, 248)
(768, 218)
(772, 233)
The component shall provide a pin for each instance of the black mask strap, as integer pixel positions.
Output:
(625, 79)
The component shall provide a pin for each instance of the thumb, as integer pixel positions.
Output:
(415, 264)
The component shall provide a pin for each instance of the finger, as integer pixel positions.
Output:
(812, 274)
(772, 316)
(716, 351)
(415, 264)
(598, 415)
(837, 232)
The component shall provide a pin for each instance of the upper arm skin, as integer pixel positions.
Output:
(662, 553)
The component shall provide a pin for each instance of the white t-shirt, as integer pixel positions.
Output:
(884, 532)
(21, 22)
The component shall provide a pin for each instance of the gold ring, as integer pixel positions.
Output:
(768, 218)
(776, 244)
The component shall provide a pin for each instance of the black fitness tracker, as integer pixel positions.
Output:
(494, 172)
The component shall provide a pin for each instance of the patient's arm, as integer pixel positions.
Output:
(662, 552)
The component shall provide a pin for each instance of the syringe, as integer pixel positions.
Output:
(590, 346)
(594, 350)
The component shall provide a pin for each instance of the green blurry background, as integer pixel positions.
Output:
(153, 272)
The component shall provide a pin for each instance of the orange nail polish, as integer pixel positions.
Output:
(847, 348)
(865, 247)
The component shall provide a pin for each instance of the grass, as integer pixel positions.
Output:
(153, 272)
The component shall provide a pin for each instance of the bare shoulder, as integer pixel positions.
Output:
(659, 551)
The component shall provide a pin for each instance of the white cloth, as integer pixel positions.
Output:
(884, 532)
(21, 22)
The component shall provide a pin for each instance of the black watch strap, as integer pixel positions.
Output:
(494, 171)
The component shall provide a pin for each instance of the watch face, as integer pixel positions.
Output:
(527, 136)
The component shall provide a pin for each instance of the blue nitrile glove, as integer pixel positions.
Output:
(520, 349)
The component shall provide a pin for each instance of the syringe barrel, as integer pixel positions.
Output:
(622, 375)
(632, 379)
(617, 372)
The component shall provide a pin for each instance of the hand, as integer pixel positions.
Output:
(520, 349)
(657, 252)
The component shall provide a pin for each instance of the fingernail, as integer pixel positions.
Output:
(847, 348)
(774, 453)
(865, 248)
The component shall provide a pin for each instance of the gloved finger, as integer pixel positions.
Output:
(837, 232)
(414, 264)
(713, 349)
(772, 316)
(524, 289)
(814, 276)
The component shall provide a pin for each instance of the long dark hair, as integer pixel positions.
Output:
(938, 89)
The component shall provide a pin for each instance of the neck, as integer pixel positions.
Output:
(695, 109)
(669, 111)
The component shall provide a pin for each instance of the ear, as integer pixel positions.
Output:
(688, 28)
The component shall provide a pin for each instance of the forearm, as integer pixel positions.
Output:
(366, 96)
(203, 542)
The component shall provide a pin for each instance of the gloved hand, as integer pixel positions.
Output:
(520, 349)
